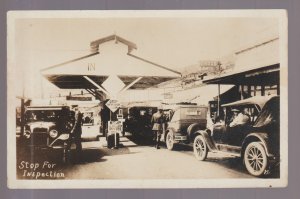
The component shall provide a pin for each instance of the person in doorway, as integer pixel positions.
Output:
(157, 121)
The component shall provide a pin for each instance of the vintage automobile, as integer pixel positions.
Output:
(48, 127)
(255, 141)
(138, 121)
(183, 123)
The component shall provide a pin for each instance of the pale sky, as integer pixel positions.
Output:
(172, 42)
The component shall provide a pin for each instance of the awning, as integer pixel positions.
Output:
(207, 93)
(200, 95)
(259, 100)
(268, 75)
(115, 58)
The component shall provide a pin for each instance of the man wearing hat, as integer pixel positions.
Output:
(157, 121)
(239, 118)
(76, 130)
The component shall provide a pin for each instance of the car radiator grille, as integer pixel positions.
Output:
(40, 130)
(39, 138)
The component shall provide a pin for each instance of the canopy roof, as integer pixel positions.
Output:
(209, 92)
(79, 82)
(200, 95)
(116, 59)
(268, 75)
(258, 100)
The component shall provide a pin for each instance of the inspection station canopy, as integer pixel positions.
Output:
(110, 59)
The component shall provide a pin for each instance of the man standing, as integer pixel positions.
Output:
(105, 117)
(157, 121)
(76, 130)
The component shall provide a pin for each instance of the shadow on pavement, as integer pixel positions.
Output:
(141, 140)
(236, 164)
(87, 155)
(226, 161)
(120, 151)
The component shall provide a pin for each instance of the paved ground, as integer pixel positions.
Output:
(145, 162)
(135, 160)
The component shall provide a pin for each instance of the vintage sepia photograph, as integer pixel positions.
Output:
(147, 99)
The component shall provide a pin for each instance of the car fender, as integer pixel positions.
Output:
(206, 135)
(192, 129)
(262, 137)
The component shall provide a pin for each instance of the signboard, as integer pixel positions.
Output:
(113, 85)
(168, 96)
(78, 98)
(113, 105)
(115, 127)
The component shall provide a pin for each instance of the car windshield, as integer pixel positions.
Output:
(42, 115)
(141, 111)
(88, 118)
(269, 113)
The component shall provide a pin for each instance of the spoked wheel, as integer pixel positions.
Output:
(200, 148)
(255, 159)
(170, 141)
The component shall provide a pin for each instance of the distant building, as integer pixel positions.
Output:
(209, 66)
(257, 70)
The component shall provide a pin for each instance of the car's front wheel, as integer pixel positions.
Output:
(200, 148)
(170, 141)
(255, 159)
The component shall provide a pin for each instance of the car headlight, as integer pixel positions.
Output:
(27, 134)
(53, 133)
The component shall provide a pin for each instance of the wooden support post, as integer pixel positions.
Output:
(22, 116)
(241, 90)
(263, 91)
(96, 85)
(131, 84)
(249, 90)
(219, 90)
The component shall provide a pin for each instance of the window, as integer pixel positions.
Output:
(88, 118)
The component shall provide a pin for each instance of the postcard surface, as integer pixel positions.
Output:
(147, 99)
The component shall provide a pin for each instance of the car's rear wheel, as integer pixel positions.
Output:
(255, 159)
(170, 141)
(200, 148)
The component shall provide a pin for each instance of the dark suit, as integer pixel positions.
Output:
(77, 131)
(157, 121)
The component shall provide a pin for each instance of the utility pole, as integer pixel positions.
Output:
(219, 89)
(23, 109)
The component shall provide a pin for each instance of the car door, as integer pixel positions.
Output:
(219, 130)
(237, 133)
